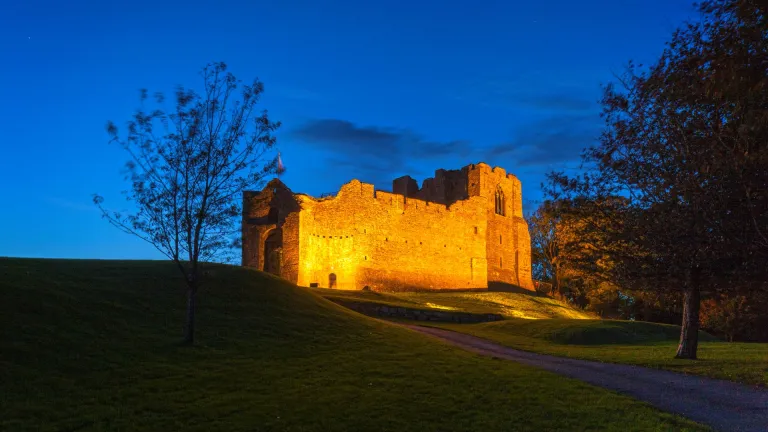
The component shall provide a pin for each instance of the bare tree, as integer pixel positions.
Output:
(188, 167)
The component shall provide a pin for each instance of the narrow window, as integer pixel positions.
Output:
(501, 264)
(500, 202)
(475, 230)
(499, 238)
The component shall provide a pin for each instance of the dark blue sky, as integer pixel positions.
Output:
(366, 90)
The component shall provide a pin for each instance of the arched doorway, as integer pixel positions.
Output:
(332, 280)
(273, 249)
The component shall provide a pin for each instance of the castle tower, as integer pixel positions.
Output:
(508, 242)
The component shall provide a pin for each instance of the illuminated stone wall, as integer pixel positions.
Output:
(508, 241)
(390, 242)
(444, 235)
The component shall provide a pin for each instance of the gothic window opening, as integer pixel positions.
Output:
(332, 280)
(500, 202)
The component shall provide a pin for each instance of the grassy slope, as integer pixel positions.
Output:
(639, 343)
(91, 345)
(513, 305)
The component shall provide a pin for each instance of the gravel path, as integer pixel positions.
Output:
(723, 405)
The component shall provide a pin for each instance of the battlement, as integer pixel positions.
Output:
(445, 187)
(449, 186)
(356, 189)
(458, 230)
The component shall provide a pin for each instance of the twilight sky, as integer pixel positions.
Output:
(370, 90)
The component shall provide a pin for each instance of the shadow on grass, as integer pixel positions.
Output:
(495, 286)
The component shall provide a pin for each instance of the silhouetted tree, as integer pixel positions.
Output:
(188, 167)
(686, 145)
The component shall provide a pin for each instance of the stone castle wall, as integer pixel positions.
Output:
(508, 240)
(390, 242)
(445, 235)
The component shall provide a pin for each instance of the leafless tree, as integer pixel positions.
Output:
(187, 169)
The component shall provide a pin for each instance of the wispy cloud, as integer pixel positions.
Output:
(375, 153)
(532, 95)
(555, 140)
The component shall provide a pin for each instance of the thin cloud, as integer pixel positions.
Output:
(374, 153)
(556, 140)
(520, 94)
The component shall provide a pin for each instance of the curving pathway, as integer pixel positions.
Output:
(723, 405)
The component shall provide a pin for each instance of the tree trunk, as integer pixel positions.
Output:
(555, 290)
(689, 333)
(189, 328)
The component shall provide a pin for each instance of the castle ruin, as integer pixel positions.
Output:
(463, 229)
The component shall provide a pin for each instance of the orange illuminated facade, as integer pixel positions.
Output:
(463, 229)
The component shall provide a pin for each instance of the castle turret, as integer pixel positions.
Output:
(405, 186)
(508, 243)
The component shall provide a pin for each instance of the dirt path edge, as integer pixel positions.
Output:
(722, 405)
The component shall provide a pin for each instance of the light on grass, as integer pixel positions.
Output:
(437, 306)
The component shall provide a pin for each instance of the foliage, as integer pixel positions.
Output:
(679, 172)
(542, 225)
(188, 167)
(726, 315)
(566, 254)
(736, 316)
(89, 346)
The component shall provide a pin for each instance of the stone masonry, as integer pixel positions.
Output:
(463, 229)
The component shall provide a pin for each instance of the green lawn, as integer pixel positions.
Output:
(509, 304)
(92, 345)
(638, 343)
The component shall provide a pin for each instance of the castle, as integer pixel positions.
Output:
(463, 229)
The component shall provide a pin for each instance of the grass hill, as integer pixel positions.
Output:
(93, 345)
(509, 304)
